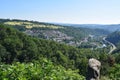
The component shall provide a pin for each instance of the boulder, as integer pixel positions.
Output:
(93, 71)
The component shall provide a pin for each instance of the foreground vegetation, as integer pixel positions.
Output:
(40, 70)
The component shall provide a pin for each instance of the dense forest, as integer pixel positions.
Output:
(25, 57)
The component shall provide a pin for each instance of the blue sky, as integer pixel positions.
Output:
(63, 11)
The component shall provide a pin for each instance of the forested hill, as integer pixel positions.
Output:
(25, 58)
(18, 47)
(64, 34)
(115, 39)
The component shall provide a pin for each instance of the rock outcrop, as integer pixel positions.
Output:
(93, 72)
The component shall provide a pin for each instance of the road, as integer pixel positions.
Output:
(112, 48)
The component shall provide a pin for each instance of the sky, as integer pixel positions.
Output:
(62, 11)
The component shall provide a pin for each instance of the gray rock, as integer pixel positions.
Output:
(93, 72)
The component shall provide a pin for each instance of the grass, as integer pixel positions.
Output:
(31, 25)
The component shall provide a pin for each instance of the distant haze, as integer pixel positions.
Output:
(112, 28)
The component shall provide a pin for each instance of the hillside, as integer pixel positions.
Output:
(62, 34)
(115, 39)
(17, 46)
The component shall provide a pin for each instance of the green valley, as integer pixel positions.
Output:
(47, 51)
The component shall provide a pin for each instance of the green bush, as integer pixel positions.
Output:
(114, 72)
(42, 70)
